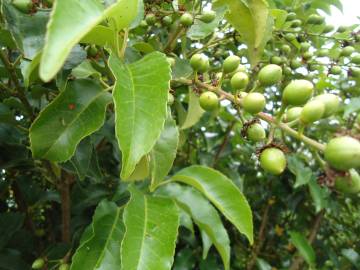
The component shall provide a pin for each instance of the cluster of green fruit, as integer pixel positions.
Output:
(186, 19)
(298, 107)
(40, 264)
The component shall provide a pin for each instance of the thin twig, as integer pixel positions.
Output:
(224, 143)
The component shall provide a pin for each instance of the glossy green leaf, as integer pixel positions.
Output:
(163, 154)
(85, 70)
(102, 36)
(100, 245)
(204, 215)
(194, 112)
(140, 97)
(29, 68)
(206, 243)
(27, 30)
(303, 246)
(142, 170)
(70, 21)
(74, 114)
(151, 231)
(223, 193)
(253, 21)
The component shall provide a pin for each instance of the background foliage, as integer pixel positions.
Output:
(101, 168)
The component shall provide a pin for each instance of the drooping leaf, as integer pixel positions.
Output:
(253, 21)
(163, 154)
(140, 97)
(318, 194)
(194, 112)
(223, 193)
(151, 231)
(204, 215)
(27, 30)
(71, 20)
(303, 174)
(206, 244)
(74, 114)
(100, 245)
(303, 246)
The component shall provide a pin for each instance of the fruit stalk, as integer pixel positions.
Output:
(263, 116)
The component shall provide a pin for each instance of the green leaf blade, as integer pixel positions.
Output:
(140, 97)
(151, 231)
(303, 246)
(100, 246)
(223, 193)
(204, 215)
(77, 112)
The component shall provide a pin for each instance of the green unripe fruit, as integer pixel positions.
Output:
(328, 28)
(315, 19)
(270, 75)
(285, 49)
(296, 23)
(273, 161)
(293, 114)
(331, 103)
(64, 267)
(186, 19)
(305, 46)
(342, 29)
(38, 264)
(167, 20)
(349, 183)
(355, 72)
(335, 70)
(256, 133)
(347, 51)
(356, 59)
(239, 81)
(297, 92)
(254, 103)
(150, 19)
(208, 16)
(170, 99)
(322, 52)
(276, 60)
(343, 153)
(92, 51)
(291, 16)
(231, 63)
(307, 55)
(196, 61)
(290, 37)
(23, 5)
(209, 101)
(295, 64)
(205, 65)
(312, 112)
(287, 71)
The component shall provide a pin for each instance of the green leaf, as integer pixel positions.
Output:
(70, 21)
(163, 154)
(84, 70)
(141, 171)
(151, 231)
(204, 215)
(279, 16)
(140, 97)
(74, 114)
(28, 31)
(223, 193)
(262, 264)
(206, 243)
(352, 256)
(28, 69)
(100, 245)
(194, 112)
(253, 21)
(102, 36)
(200, 30)
(302, 173)
(303, 246)
(318, 194)
(9, 224)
